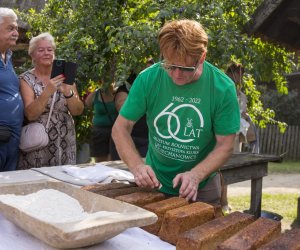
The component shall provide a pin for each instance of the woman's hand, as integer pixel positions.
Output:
(54, 84)
(57, 83)
(65, 89)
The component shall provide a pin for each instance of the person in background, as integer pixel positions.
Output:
(150, 62)
(104, 116)
(139, 132)
(11, 114)
(192, 116)
(37, 90)
(236, 71)
(246, 135)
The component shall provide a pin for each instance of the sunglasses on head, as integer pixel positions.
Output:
(172, 67)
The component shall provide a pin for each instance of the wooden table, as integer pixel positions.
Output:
(245, 166)
(240, 167)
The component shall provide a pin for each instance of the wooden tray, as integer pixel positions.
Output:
(76, 234)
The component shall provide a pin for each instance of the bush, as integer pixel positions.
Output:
(282, 103)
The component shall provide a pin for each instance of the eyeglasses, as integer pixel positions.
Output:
(172, 67)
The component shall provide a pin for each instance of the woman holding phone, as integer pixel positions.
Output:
(37, 90)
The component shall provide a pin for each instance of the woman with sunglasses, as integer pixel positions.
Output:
(192, 115)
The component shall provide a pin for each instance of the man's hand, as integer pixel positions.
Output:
(189, 185)
(145, 177)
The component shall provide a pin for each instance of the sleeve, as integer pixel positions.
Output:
(227, 115)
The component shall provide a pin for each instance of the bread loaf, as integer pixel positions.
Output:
(253, 236)
(218, 211)
(107, 186)
(160, 208)
(122, 191)
(141, 198)
(184, 218)
(290, 240)
(211, 234)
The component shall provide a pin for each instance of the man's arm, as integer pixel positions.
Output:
(121, 134)
(191, 179)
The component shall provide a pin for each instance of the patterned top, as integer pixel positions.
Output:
(61, 149)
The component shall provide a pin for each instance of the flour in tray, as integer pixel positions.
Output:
(52, 206)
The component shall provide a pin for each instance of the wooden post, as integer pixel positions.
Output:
(298, 210)
(256, 194)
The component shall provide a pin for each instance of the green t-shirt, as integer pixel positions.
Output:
(183, 120)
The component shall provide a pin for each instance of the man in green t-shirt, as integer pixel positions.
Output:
(192, 116)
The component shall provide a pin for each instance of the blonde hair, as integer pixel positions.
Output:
(183, 37)
(43, 36)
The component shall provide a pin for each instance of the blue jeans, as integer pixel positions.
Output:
(9, 154)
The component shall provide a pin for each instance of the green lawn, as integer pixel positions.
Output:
(283, 204)
(286, 167)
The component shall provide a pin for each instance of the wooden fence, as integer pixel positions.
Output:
(271, 141)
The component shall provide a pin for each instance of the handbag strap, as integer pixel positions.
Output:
(110, 118)
(50, 112)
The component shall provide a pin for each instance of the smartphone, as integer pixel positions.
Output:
(70, 72)
(68, 69)
(57, 67)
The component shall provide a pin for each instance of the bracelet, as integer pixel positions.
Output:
(71, 94)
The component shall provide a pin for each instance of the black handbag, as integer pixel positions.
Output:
(5, 133)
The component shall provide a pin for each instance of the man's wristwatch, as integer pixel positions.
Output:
(71, 94)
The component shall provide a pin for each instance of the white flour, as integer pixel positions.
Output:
(52, 206)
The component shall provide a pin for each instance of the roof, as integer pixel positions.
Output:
(277, 21)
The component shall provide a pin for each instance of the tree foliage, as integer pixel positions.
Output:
(281, 103)
(110, 38)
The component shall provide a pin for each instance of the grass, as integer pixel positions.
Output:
(285, 167)
(282, 204)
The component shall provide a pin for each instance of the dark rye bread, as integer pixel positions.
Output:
(113, 190)
(123, 191)
(107, 186)
(258, 233)
(218, 211)
(181, 219)
(290, 240)
(160, 208)
(209, 235)
(141, 198)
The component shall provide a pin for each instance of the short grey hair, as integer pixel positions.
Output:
(6, 12)
(43, 36)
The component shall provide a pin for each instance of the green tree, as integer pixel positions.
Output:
(281, 103)
(109, 38)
